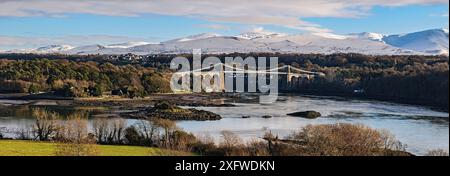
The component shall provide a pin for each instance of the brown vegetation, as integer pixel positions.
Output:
(73, 138)
(313, 140)
(344, 140)
(437, 152)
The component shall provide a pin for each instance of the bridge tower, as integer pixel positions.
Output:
(222, 78)
(289, 76)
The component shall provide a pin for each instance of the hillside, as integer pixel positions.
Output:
(429, 42)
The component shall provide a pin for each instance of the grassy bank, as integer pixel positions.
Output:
(34, 148)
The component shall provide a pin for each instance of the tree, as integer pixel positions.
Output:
(100, 127)
(45, 125)
(33, 89)
(2, 130)
(148, 132)
(114, 131)
(68, 90)
(437, 152)
(97, 90)
(132, 136)
(168, 127)
(74, 139)
(155, 83)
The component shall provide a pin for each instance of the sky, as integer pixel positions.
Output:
(35, 23)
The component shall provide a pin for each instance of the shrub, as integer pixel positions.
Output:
(232, 145)
(33, 89)
(132, 136)
(437, 152)
(182, 140)
(345, 140)
(155, 83)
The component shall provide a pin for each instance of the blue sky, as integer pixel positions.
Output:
(36, 24)
(391, 20)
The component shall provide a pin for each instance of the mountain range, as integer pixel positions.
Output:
(429, 42)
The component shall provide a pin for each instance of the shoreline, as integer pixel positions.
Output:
(147, 101)
(202, 99)
(351, 96)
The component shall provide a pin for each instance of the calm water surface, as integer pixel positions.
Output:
(420, 128)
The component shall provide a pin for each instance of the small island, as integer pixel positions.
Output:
(169, 111)
(306, 114)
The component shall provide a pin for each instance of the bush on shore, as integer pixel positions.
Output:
(73, 138)
(313, 140)
(437, 152)
(340, 139)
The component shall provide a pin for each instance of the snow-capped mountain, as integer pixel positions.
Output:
(433, 41)
(194, 37)
(259, 35)
(325, 44)
(126, 45)
(369, 36)
(305, 43)
(430, 42)
(88, 49)
(54, 48)
(44, 49)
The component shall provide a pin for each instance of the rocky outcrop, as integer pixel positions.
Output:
(306, 114)
(169, 111)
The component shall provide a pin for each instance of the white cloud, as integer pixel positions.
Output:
(286, 13)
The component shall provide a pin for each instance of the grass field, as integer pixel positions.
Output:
(33, 148)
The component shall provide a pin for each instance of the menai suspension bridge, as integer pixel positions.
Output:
(293, 76)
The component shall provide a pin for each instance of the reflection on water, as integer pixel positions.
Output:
(422, 129)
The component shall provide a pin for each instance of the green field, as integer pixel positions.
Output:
(34, 148)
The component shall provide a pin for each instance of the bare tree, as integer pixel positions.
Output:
(119, 125)
(45, 126)
(74, 138)
(230, 139)
(437, 152)
(114, 131)
(232, 145)
(257, 148)
(109, 131)
(168, 127)
(2, 131)
(23, 133)
(100, 127)
(147, 131)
